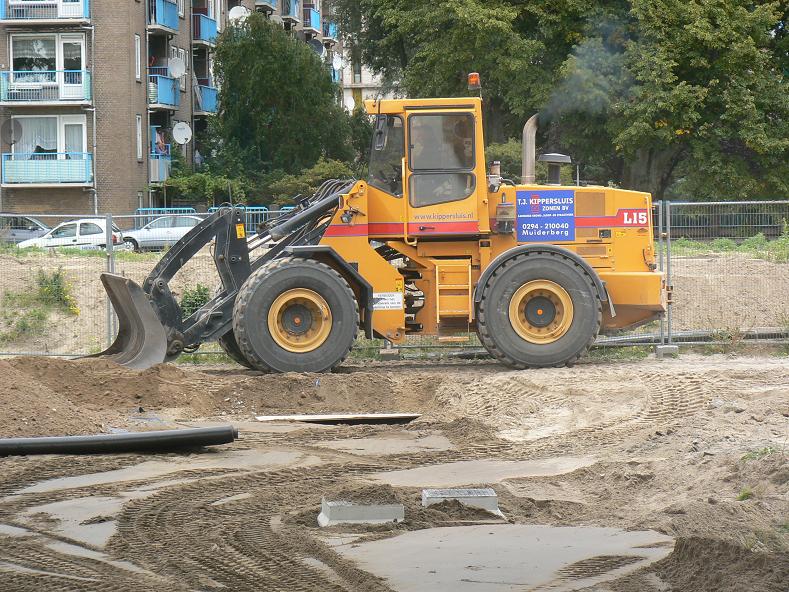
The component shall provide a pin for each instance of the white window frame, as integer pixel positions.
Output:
(181, 9)
(138, 56)
(62, 121)
(139, 137)
(60, 39)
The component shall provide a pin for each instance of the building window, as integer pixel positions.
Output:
(137, 56)
(139, 137)
(177, 52)
(51, 137)
(357, 72)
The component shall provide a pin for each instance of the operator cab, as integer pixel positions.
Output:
(429, 154)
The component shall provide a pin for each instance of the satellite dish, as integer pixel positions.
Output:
(276, 19)
(317, 46)
(238, 13)
(182, 133)
(336, 63)
(177, 67)
(11, 131)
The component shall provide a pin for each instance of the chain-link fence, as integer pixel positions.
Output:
(728, 263)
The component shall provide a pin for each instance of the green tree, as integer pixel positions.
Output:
(279, 108)
(670, 96)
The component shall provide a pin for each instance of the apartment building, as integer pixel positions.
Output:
(90, 91)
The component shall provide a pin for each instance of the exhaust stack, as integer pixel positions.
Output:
(529, 150)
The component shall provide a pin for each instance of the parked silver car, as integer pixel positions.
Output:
(85, 233)
(162, 232)
(15, 228)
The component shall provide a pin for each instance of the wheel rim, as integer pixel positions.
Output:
(541, 311)
(299, 320)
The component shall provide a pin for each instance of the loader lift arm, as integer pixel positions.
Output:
(144, 311)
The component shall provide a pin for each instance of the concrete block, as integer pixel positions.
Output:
(342, 512)
(389, 354)
(662, 351)
(485, 499)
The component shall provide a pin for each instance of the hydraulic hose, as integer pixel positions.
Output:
(322, 203)
(111, 443)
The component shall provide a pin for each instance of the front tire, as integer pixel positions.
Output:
(295, 315)
(539, 309)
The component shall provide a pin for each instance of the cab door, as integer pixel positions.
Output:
(445, 172)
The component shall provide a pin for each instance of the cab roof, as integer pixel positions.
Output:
(393, 106)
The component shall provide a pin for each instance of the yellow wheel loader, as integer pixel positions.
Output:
(430, 243)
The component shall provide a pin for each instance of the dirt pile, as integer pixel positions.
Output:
(29, 408)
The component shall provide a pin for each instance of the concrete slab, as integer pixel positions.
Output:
(472, 472)
(485, 499)
(492, 558)
(343, 512)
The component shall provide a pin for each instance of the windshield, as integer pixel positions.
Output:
(386, 156)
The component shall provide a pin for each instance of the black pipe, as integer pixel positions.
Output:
(110, 443)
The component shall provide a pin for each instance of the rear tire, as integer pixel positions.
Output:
(295, 315)
(537, 310)
(229, 345)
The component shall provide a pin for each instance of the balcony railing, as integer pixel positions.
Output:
(44, 10)
(160, 165)
(45, 86)
(290, 10)
(204, 28)
(49, 168)
(164, 13)
(162, 89)
(206, 100)
(312, 20)
(329, 30)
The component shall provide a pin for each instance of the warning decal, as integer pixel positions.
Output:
(388, 301)
(546, 215)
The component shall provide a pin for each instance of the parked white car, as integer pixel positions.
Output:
(162, 232)
(86, 233)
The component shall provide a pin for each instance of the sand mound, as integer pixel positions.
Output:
(29, 408)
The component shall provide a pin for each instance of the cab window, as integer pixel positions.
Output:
(386, 156)
(441, 158)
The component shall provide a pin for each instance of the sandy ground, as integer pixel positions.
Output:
(694, 449)
(726, 293)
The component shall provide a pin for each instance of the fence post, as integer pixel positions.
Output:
(660, 213)
(668, 270)
(110, 269)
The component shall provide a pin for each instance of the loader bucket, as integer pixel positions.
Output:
(142, 340)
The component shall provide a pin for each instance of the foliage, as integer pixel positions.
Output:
(278, 104)
(25, 313)
(207, 188)
(193, 299)
(669, 96)
(361, 132)
(288, 187)
(746, 493)
(775, 251)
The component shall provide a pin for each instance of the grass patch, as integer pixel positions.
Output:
(26, 313)
(632, 352)
(758, 246)
(118, 254)
(745, 494)
(759, 454)
(193, 299)
(206, 358)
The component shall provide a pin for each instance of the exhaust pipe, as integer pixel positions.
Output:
(529, 150)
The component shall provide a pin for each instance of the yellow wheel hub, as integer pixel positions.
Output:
(541, 311)
(299, 320)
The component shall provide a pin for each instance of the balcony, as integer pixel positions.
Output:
(48, 169)
(44, 12)
(206, 99)
(290, 12)
(163, 16)
(163, 91)
(330, 33)
(46, 88)
(312, 21)
(268, 6)
(160, 165)
(203, 30)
